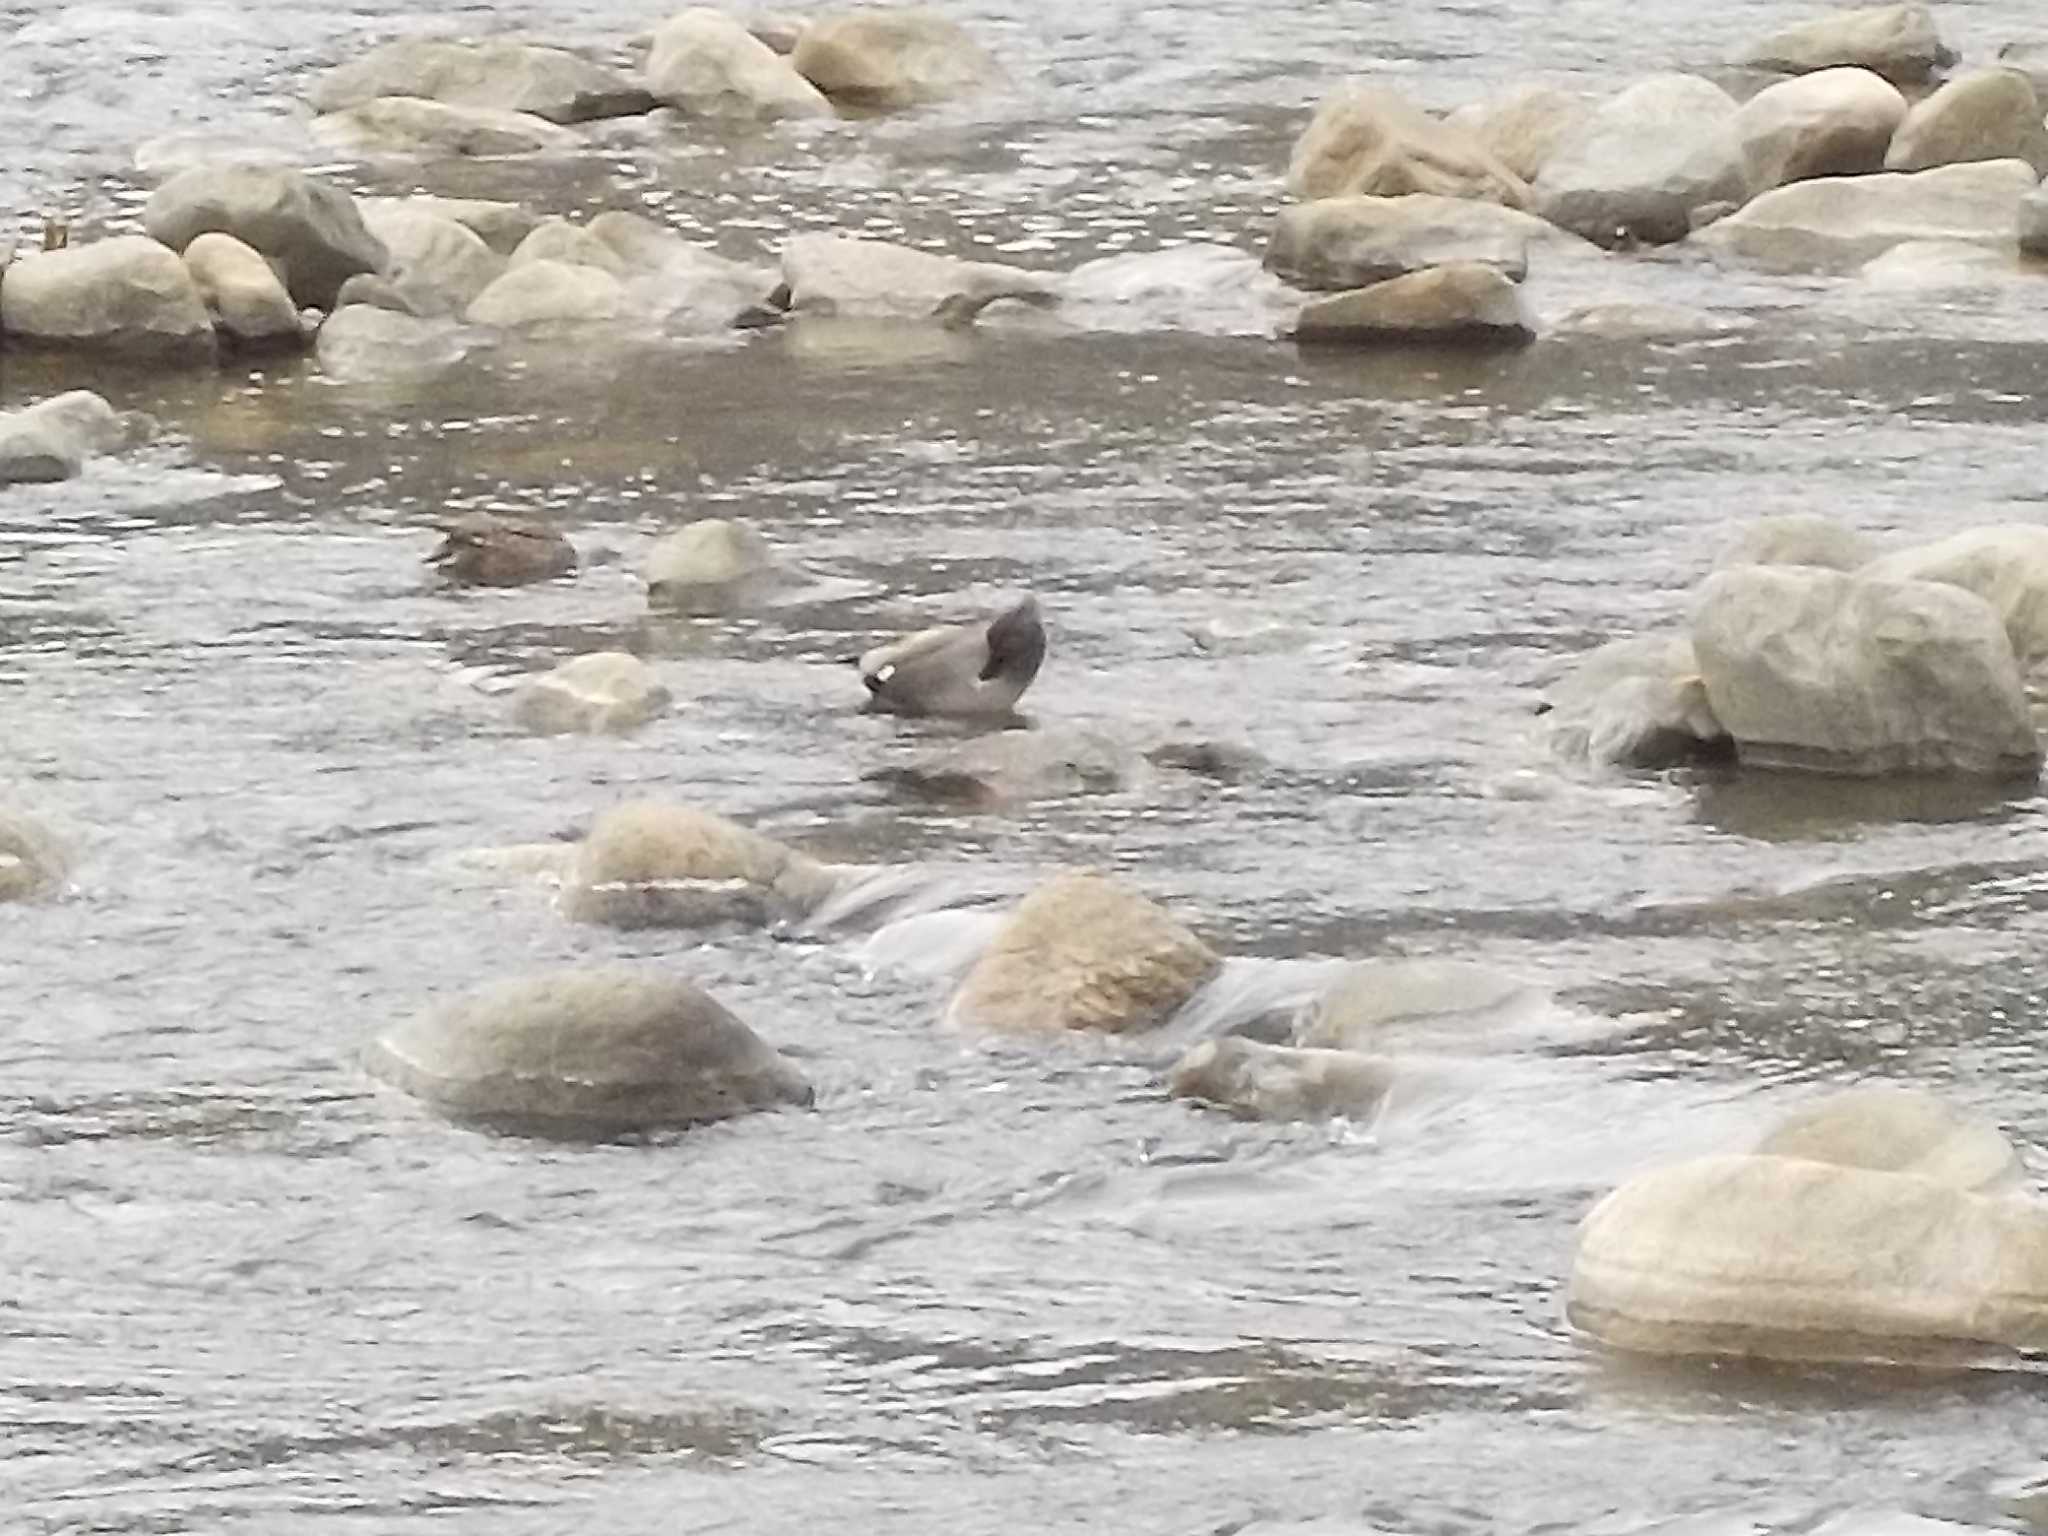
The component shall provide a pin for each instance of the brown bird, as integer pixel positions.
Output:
(486, 549)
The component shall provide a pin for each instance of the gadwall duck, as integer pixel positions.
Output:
(958, 669)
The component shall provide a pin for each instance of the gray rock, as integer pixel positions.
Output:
(128, 294)
(365, 342)
(605, 693)
(386, 293)
(1898, 1130)
(1843, 221)
(705, 64)
(1523, 127)
(840, 275)
(889, 58)
(1796, 538)
(1897, 41)
(500, 225)
(1634, 703)
(1353, 242)
(548, 293)
(1987, 114)
(1835, 122)
(32, 863)
(311, 228)
(1256, 1081)
(433, 256)
(1463, 302)
(243, 292)
(409, 125)
(1639, 167)
(1368, 141)
(714, 565)
(651, 865)
(52, 439)
(563, 240)
(1862, 674)
(505, 76)
(588, 1053)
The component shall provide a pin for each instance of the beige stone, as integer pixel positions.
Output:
(1370, 141)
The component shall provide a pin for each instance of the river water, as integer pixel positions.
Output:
(976, 1290)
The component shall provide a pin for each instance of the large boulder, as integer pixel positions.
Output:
(1373, 142)
(1795, 538)
(1861, 674)
(434, 255)
(1336, 243)
(1898, 1130)
(311, 228)
(548, 293)
(129, 294)
(651, 865)
(1523, 128)
(1787, 1257)
(243, 293)
(1256, 1081)
(1834, 122)
(706, 64)
(411, 125)
(1899, 42)
(841, 275)
(1463, 302)
(887, 58)
(1633, 703)
(505, 76)
(1987, 114)
(2005, 564)
(52, 439)
(1843, 221)
(1644, 162)
(1083, 951)
(32, 863)
(605, 693)
(711, 566)
(585, 1053)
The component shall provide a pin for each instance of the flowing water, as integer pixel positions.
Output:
(977, 1290)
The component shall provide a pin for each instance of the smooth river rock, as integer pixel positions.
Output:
(499, 224)
(1899, 42)
(599, 1052)
(831, 274)
(551, 83)
(32, 862)
(548, 293)
(432, 253)
(128, 294)
(1463, 302)
(311, 228)
(243, 293)
(1644, 162)
(706, 64)
(414, 126)
(52, 439)
(1861, 674)
(365, 342)
(1797, 538)
(1524, 126)
(1889, 1129)
(648, 864)
(1256, 1081)
(1336, 243)
(1790, 1258)
(606, 693)
(1987, 114)
(1638, 702)
(2006, 564)
(1842, 221)
(714, 565)
(1083, 951)
(1369, 141)
(888, 58)
(1834, 122)
(1401, 1004)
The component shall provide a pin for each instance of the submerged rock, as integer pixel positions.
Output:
(410, 125)
(1523, 127)
(488, 549)
(548, 293)
(1861, 674)
(1899, 42)
(841, 275)
(1281, 1082)
(1082, 952)
(1937, 264)
(129, 294)
(1898, 1130)
(1836, 122)
(1461, 302)
(1842, 221)
(1634, 703)
(365, 341)
(1382, 1005)
(550, 83)
(1352, 242)
(1370, 141)
(1645, 162)
(890, 58)
(311, 228)
(1987, 114)
(1010, 767)
(52, 439)
(433, 254)
(1795, 538)
(605, 693)
(599, 1052)
(242, 293)
(32, 863)
(711, 566)
(1790, 1258)
(652, 865)
(706, 64)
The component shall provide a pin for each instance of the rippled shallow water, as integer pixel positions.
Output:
(979, 1289)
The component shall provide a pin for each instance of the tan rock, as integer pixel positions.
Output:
(32, 863)
(545, 292)
(604, 693)
(242, 293)
(1523, 127)
(891, 58)
(407, 125)
(128, 294)
(1986, 114)
(1462, 302)
(1834, 122)
(1898, 1130)
(1899, 42)
(1370, 141)
(706, 64)
(647, 864)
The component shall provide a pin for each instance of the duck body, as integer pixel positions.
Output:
(488, 550)
(981, 668)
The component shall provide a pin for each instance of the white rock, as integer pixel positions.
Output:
(1523, 127)
(647, 864)
(2005, 564)
(1834, 122)
(605, 693)
(52, 439)
(432, 252)
(1795, 538)
(1369, 141)
(128, 294)
(500, 225)
(1841, 221)
(1644, 162)
(1986, 114)
(1898, 1130)
(1861, 674)
(242, 292)
(362, 343)
(707, 65)
(407, 125)
(1634, 703)
(888, 58)
(840, 275)
(1934, 264)
(548, 293)
(709, 566)
(498, 75)
(1897, 41)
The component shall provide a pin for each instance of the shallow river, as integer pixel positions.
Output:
(243, 1290)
